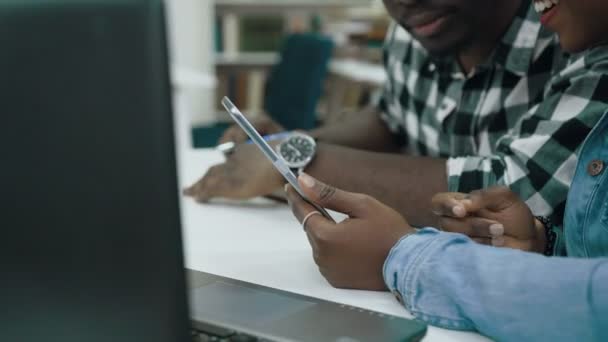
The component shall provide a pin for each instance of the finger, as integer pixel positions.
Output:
(485, 227)
(455, 225)
(494, 198)
(214, 184)
(352, 204)
(319, 230)
(235, 134)
(471, 226)
(268, 126)
(483, 240)
(493, 241)
(498, 241)
(449, 204)
(302, 209)
(299, 207)
(315, 248)
(524, 245)
(189, 190)
(193, 189)
(226, 136)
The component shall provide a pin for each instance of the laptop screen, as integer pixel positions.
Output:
(91, 246)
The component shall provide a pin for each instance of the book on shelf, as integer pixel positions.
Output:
(245, 88)
(218, 34)
(246, 34)
(257, 33)
(233, 85)
(261, 33)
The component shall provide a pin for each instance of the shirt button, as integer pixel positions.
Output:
(595, 167)
(398, 296)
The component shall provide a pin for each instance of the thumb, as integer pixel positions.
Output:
(452, 204)
(330, 197)
(233, 134)
(495, 199)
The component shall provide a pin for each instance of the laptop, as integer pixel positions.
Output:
(91, 247)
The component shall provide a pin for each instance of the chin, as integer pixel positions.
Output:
(450, 42)
(440, 48)
(572, 46)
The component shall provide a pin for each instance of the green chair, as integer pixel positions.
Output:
(295, 84)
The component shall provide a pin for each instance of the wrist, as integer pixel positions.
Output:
(541, 236)
(549, 237)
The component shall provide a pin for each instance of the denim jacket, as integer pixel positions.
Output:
(586, 218)
(447, 280)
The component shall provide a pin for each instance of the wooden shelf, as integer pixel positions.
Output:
(247, 59)
(261, 6)
(293, 3)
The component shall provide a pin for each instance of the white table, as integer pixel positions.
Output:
(262, 243)
(358, 71)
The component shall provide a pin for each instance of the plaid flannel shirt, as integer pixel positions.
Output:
(516, 120)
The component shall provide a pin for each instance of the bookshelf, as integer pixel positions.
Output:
(246, 59)
(248, 34)
(248, 6)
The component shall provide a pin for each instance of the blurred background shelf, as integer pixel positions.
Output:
(248, 40)
(265, 5)
(246, 59)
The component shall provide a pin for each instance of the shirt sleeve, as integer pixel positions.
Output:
(448, 280)
(538, 157)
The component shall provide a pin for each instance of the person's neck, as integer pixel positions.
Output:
(480, 50)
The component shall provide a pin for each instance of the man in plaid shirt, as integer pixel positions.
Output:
(501, 123)
(478, 92)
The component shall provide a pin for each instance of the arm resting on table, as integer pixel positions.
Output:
(450, 281)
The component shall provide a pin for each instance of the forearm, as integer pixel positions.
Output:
(364, 130)
(405, 183)
(448, 280)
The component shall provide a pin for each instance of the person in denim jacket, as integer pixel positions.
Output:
(449, 280)
(497, 217)
(565, 292)
(458, 278)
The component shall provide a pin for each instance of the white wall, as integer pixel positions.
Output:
(191, 42)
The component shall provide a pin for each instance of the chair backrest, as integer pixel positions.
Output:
(295, 83)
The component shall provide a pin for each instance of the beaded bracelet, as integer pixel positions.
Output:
(550, 235)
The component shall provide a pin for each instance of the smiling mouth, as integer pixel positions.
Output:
(546, 8)
(430, 27)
